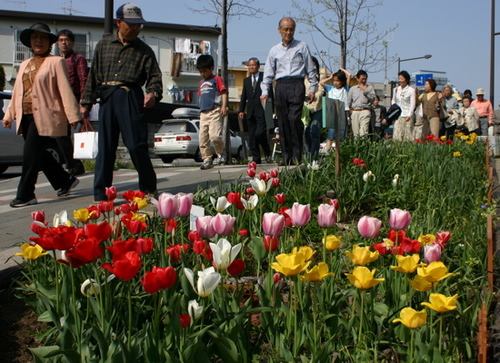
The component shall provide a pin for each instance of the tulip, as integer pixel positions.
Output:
(136, 226)
(407, 264)
(434, 272)
(327, 215)
(106, 206)
(125, 265)
(335, 203)
(194, 309)
(252, 165)
(362, 278)
(395, 180)
(84, 252)
(243, 232)
(184, 320)
(170, 225)
(273, 223)
(280, 198)
(159, 279)
(236, 267)
(233, 198)
(260, 186)
(275, 182)
(441, 303)
(399, 219)
(301, 214)
(61, 219)
(276, 277)
(421, 284)
(292, 264)
(332, 242)
(129, 195)
(193, 236)
(174, 252)
(167, 205)
(185, 201)
(224, 253)
(411, 318)
(317, 273)
(251, 202)
(270, 243)
(442, 238)
(314, 165)
(432, 253)
(144, 245)
(274, 173)
(220, 204)
(81, 215)
(362, 255)
(139, 202)
(204, 227)
(369, 176)
(59, 238)
(369, 227)
(223, 224)
(251, 173)
(208, 280)
(38, 216)
(110, 193)
(264, 176)
(426, 239)
(31, 251)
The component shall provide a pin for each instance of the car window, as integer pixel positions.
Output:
(176, 127)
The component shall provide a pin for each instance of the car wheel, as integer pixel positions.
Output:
(197, 156)
(167, 159)
(3, 168)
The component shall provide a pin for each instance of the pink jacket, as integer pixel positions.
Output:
(54, 104)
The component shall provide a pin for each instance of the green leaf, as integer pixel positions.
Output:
(257, 247)
(227, 351)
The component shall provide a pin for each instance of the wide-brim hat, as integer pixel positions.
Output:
(37, 27)
(130, 13)
(479, 91)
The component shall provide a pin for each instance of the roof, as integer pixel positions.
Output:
(94, 20)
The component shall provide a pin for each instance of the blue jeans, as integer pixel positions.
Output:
(312, 134)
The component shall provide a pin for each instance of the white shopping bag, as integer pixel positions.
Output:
(85, 145)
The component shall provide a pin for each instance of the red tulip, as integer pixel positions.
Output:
(110, 193)
(243, 232)
(174, 252)
(57, 238)
(170, 225)
(369, 227)
(280, 198)
(144, 245)
(106, 206)
(125, 265)
(381, 248)
(233, 198)
(249, 191)
(236, 267)
(84, 252)
(410, 246)
(251, 173)
(276, 182)
(252, 165)
(264, 176)
(399, 219)
(130, 195)
(274, 173)
(335, 203)
(38, 216)
(286, 212)
(117, 211)
(185, 320)
(199, 246)
(159, 279)
(193, 236)
(94, 212)
(276, 277)
(270, 243)
(120, 247)
(101, 231)
(136, 226)
(442, 238)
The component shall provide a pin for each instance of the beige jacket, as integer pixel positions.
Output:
(54, 104)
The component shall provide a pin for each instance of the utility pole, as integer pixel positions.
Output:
(224, 73)
(108, 17)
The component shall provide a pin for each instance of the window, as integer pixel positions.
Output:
(230, 79)
(188, 51)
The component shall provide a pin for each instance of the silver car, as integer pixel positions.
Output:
(178, 137)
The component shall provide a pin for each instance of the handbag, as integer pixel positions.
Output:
(443, 114)
(85, 143)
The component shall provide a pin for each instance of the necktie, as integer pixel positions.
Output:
(254, 82)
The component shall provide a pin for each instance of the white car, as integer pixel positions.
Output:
(178, 137)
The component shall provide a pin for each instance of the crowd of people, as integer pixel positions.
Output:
(53, 94)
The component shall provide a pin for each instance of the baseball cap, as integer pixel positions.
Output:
(130, 13)
(480, 91)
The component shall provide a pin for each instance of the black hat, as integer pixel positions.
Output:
(37, 27)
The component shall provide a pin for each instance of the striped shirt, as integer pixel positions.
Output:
(133, 64)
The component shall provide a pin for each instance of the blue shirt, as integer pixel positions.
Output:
(292, 61)
(210, 90)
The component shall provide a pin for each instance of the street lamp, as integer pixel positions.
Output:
(427, 56)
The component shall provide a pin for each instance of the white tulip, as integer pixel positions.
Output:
(61, 219)
(220, 204)
(395, 181)
(260, 186)
(194, 310)
(251, 203)
(208, 280)
(369, 175)
(224, 253)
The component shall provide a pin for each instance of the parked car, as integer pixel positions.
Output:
(11, 152)
(178, 137)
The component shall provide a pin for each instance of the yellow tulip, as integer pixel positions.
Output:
(411, 318)
(141, 203)
(362, 255)
(434, 272)
(139, 217)
(31, 251)
(407, 264)
(441, 303)
(362, 278)
(426, 239)
(291, 264)
(457, 153)
(307, 251)
(421, 284)
(81, 215)
(332, 242)
(317, 273)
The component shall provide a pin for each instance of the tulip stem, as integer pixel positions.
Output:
(361, 315)
(412, 346)
(324, 244)
(129, 338)
(441, 343)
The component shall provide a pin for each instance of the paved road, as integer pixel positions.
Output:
(15, 222)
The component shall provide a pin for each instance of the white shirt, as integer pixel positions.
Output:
(406, 99)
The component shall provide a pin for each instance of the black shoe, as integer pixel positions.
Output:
(16, 203)
(77, 169)
(72, 183)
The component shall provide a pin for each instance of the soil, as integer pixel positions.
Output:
(18, 328)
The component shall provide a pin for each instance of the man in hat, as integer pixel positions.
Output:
(485, 111)
(122, 65)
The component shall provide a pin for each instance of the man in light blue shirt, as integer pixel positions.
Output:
(288, 63)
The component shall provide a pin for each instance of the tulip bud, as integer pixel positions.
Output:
(280, 198)
(243, 232)
(251, 173)
(38, 216)
(275, 182)
(276, 277)
(369, 227)
(432, 253)
(335, 203)
(399, 219)
(274, 173)
(185, 320)
(117, 211)
(273, 223)
(110, 193)
(236, 267)
(252, 165)
(264, 176)
(193, 236)
(234, 198)
(249, 191)
(270, 243)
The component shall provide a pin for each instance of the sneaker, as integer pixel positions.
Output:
(16, 203)
(223, 159)
(207, 164)
(72, 183)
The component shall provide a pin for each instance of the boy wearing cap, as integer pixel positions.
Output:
(117, 86)
(485, 111)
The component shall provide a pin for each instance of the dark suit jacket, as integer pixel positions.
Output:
(251, 98)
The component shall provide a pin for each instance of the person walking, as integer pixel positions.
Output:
(256, 117)
(78, 72)
(359, 100)
(405, 97)
(42, 104)
(288, 62)
(485, 111)
(431, 102)
(121, 66)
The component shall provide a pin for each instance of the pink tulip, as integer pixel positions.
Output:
(223, 224)
(185, 201)
(327, 215)
(204, 227)
(167, 205)
(432, 253)
(369, 227)
(273, 223)
(399, 219)
(300, 214)
(442, 238)
(110, 193)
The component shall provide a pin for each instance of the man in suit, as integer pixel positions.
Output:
(256, 118)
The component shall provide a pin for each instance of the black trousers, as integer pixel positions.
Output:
(36, 157)
(257, 137)
(289, 100)
(123, 112)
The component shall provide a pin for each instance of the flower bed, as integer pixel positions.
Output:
(393, 267)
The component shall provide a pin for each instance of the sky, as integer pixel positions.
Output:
(455, 32)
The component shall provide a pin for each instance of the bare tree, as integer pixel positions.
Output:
(350, 25)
